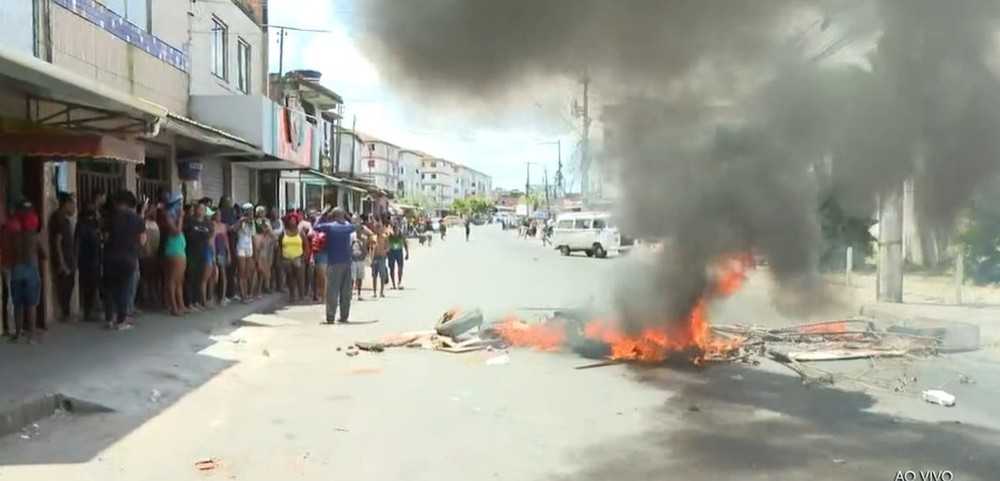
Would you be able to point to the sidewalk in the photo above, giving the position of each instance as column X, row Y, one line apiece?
column 929, row 299
column 124, row 371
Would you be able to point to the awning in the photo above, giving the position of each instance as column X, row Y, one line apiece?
column 206, row 134
column 71, row 147
column 317, row 177
column 44, row 79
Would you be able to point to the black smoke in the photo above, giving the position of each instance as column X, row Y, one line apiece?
column 734, row 121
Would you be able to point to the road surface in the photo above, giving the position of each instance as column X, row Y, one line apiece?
column 285, row 403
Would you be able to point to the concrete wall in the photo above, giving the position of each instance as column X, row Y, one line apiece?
column 17, row 27
column 241, row 26
column 248, row 116
column 85, row 48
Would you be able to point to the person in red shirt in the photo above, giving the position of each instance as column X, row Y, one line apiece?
column 318, row 249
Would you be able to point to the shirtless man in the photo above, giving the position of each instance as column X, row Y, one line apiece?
column 26, row 283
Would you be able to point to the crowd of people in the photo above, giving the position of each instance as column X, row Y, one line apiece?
column 188, row 257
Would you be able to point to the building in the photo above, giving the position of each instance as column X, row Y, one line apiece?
column 381, row 163
column 228, row 62
column 410, row 163
column 437, row 181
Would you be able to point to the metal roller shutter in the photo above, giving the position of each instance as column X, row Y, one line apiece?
column 241, row 184
column 212, row 179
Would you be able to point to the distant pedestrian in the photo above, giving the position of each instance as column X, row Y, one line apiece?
column 126, row 233
column 468, row 228
column 338, row 270
column 399, row 251
column 380, row 251
column 442, row 228
column 63, row 253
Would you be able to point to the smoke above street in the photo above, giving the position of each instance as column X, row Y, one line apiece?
column 734, row 121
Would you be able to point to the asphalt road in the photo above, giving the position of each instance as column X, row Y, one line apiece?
column 289, row 405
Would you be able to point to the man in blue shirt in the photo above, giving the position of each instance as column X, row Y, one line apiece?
column 338, row 270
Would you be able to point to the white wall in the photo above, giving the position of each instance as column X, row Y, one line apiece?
column 17, row 29
column 240, row 26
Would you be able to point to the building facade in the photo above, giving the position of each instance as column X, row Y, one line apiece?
column 381, row 164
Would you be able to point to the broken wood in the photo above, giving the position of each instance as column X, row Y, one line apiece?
column 609, row 362
column 841, row 354
column 370, row 346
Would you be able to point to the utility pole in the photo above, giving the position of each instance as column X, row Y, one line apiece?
column 559, row 176
column 281, row 51
column 585, row 142
column 548, row 206
column 890, row 247
column 527, row 181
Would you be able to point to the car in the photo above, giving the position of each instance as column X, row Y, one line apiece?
column 453, row 220
column 590, row 232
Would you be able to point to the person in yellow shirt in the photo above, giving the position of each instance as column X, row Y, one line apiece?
column 292, row 246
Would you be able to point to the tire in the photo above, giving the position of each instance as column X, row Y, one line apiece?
column 600, row 252
column 564, row 250
column 589, row 252
column 454, row 324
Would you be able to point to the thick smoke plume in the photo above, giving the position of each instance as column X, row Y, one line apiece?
column 736, row 119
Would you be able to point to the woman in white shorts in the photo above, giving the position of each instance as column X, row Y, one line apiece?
column 245, row 267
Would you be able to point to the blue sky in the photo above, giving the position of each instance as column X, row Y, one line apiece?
column 498, row 145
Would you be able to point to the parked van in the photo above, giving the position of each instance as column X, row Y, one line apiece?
column 590, row 232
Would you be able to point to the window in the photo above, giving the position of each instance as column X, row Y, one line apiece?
column 243, row 66
column 582, row 224
column 423, row 176
column 434, row 164
column 220, row 37
column 600, row 224
column 135, row 12
column 565, row 224
column 434, row 176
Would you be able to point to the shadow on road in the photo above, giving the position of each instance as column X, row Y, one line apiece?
column 734, row 422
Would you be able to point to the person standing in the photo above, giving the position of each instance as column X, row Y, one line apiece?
column 292, row 244
column 88, row 250
column 360, row 252
column 338, row 270
column 318, row 247
column 399, row 251
column 443, row 227
column 171, row 220
column 245, row 268
column 198, row 232
column 63, row 253
column 150, row 272
column 380, row 250
column 223, row 256
column 468, row 228
column 126, row 233
column 26, row 282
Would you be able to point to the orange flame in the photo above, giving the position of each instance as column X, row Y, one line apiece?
column 653, row 344
column 545, row 337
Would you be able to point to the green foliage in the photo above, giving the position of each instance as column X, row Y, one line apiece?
column 979, row 236
column 471, row 206
column 841, row 231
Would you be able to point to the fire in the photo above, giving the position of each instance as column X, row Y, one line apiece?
column 546, row 337
column 653, row 344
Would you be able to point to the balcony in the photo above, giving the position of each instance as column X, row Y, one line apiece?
column 287, row 137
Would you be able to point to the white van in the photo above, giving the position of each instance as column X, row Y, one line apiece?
column 590, row 232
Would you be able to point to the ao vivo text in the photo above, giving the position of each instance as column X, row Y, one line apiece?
column 940, row 475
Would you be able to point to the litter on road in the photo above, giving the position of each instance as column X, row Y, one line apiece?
column 939, row 397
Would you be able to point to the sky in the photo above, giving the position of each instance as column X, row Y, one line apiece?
column 497, row 143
